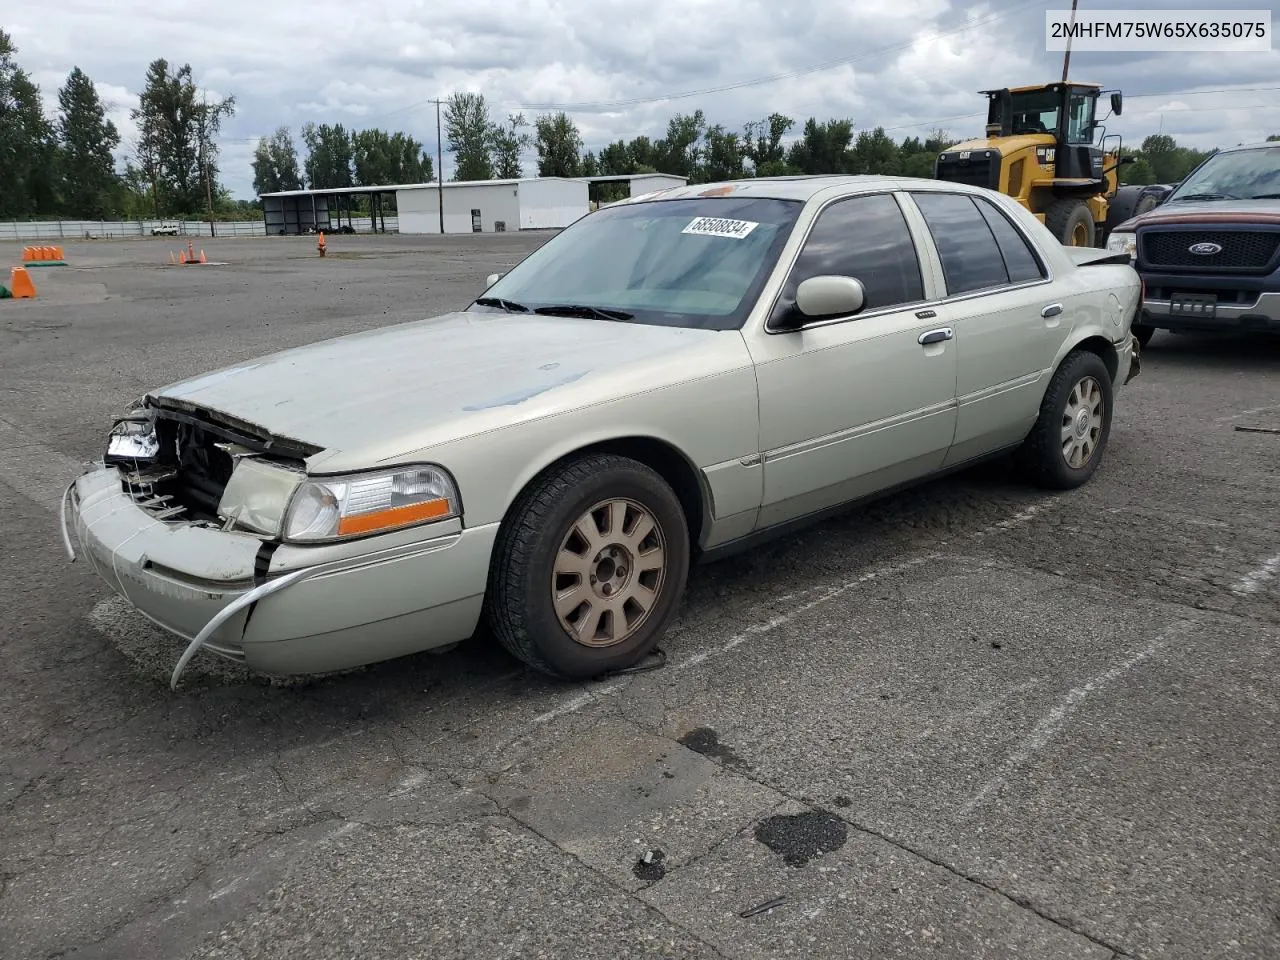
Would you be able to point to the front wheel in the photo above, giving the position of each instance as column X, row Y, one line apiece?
column 1071, row 222
column 589, row 568
column 1065, row 446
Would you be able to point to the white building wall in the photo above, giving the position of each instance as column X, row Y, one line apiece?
column 643, row 183
column 419, row 212
column 495, row 201
column 552, row 203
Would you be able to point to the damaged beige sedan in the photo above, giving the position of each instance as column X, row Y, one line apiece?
column 670, row 378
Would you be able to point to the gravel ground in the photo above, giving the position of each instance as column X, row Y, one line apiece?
column 972, row 720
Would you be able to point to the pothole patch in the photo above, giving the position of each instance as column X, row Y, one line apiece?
column 800, row 837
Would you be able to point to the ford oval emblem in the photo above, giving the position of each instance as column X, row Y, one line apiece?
column 1205, row 249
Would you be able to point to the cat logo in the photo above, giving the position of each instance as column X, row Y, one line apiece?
column 1044, row 155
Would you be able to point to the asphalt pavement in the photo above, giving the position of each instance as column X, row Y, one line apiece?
column 973, row 720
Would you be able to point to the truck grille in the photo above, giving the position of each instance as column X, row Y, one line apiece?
column 1243, row 251
column 976, row 171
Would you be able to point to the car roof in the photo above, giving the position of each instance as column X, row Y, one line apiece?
column 803, row 187
column 1273, row 144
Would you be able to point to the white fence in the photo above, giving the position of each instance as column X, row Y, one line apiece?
column 55, row 230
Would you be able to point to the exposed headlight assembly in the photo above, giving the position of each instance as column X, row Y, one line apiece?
column 1125, row 242
column 133, row 439
column 336, row 508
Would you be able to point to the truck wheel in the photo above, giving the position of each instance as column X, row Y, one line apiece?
column 1123, row 206
column 1066, row 445
column 1071, row 222
column 589, row 567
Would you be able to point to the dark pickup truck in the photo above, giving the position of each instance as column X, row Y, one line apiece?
column 1209, row 255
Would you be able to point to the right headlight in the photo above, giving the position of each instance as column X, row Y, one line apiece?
column 1123, row 242
column 336, row 508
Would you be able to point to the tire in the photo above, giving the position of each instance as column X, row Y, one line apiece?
column 1131, row 200
column 1123, row 205
column 1148, row 201
column 540, row 527
column 1066, row 218
column 1042, row 456
column 1144, row 333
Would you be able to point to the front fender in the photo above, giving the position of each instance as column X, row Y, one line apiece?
column 711, row 423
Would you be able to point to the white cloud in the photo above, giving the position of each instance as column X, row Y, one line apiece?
column 289, row 63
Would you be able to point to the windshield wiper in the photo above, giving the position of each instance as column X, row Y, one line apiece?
column 1206, row 196
column 1265, row 196
column 584, row 310
column 508, row 305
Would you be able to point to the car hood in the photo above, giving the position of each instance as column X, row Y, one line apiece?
column 397, row 389
column 1208, row 211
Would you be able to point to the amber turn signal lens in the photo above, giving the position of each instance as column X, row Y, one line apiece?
column 393, row 517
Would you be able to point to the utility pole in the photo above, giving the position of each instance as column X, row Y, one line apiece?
column 439, row 167
column 1066, row 55
column 204, row 161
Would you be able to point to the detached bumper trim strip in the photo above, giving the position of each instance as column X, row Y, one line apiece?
column 66, row 534
column 230, row 610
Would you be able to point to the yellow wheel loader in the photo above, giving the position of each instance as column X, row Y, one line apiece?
column 1045, row 147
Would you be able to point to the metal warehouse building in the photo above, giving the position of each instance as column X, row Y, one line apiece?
column 470, row 206
column 492, row 206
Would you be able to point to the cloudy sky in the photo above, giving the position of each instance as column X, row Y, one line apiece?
column 623, row 68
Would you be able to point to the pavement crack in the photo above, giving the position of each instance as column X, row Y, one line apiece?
column 504, row 811
column 1016, row 899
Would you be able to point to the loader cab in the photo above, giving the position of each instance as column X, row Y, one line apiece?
column 1066, row 114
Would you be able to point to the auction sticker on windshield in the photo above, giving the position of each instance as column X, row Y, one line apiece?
column 720, row 227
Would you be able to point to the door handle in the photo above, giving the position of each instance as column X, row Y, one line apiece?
column 936, row 336
column 1052, row 310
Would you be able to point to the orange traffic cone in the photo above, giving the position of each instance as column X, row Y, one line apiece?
column 20, row 285
column 202, row 258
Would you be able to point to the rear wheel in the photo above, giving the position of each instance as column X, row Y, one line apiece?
column 1065, row 446
column 589, row 567
column 1071, row 222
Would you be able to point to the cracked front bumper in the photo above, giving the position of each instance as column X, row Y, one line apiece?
column 309, row 611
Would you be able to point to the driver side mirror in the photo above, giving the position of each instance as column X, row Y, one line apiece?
column 492, row 279
column 1117, row 102
column 830, row 296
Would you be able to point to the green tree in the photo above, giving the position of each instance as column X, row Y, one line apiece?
column 178, row 129
column 1138, row 172
column 275, row 163
column 616, row 160
column 559, row 145
column 875, row 152
column 90, row 187
column 723, row 158
column 27, row 142
column 681, row 151
column 469, row 133
column 762, row 145
column 330, row 157
column 507, row 141
column 381, row 158
column 823, row 148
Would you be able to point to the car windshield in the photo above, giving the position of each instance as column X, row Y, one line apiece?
column 1237, row 175
column 698, row 262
